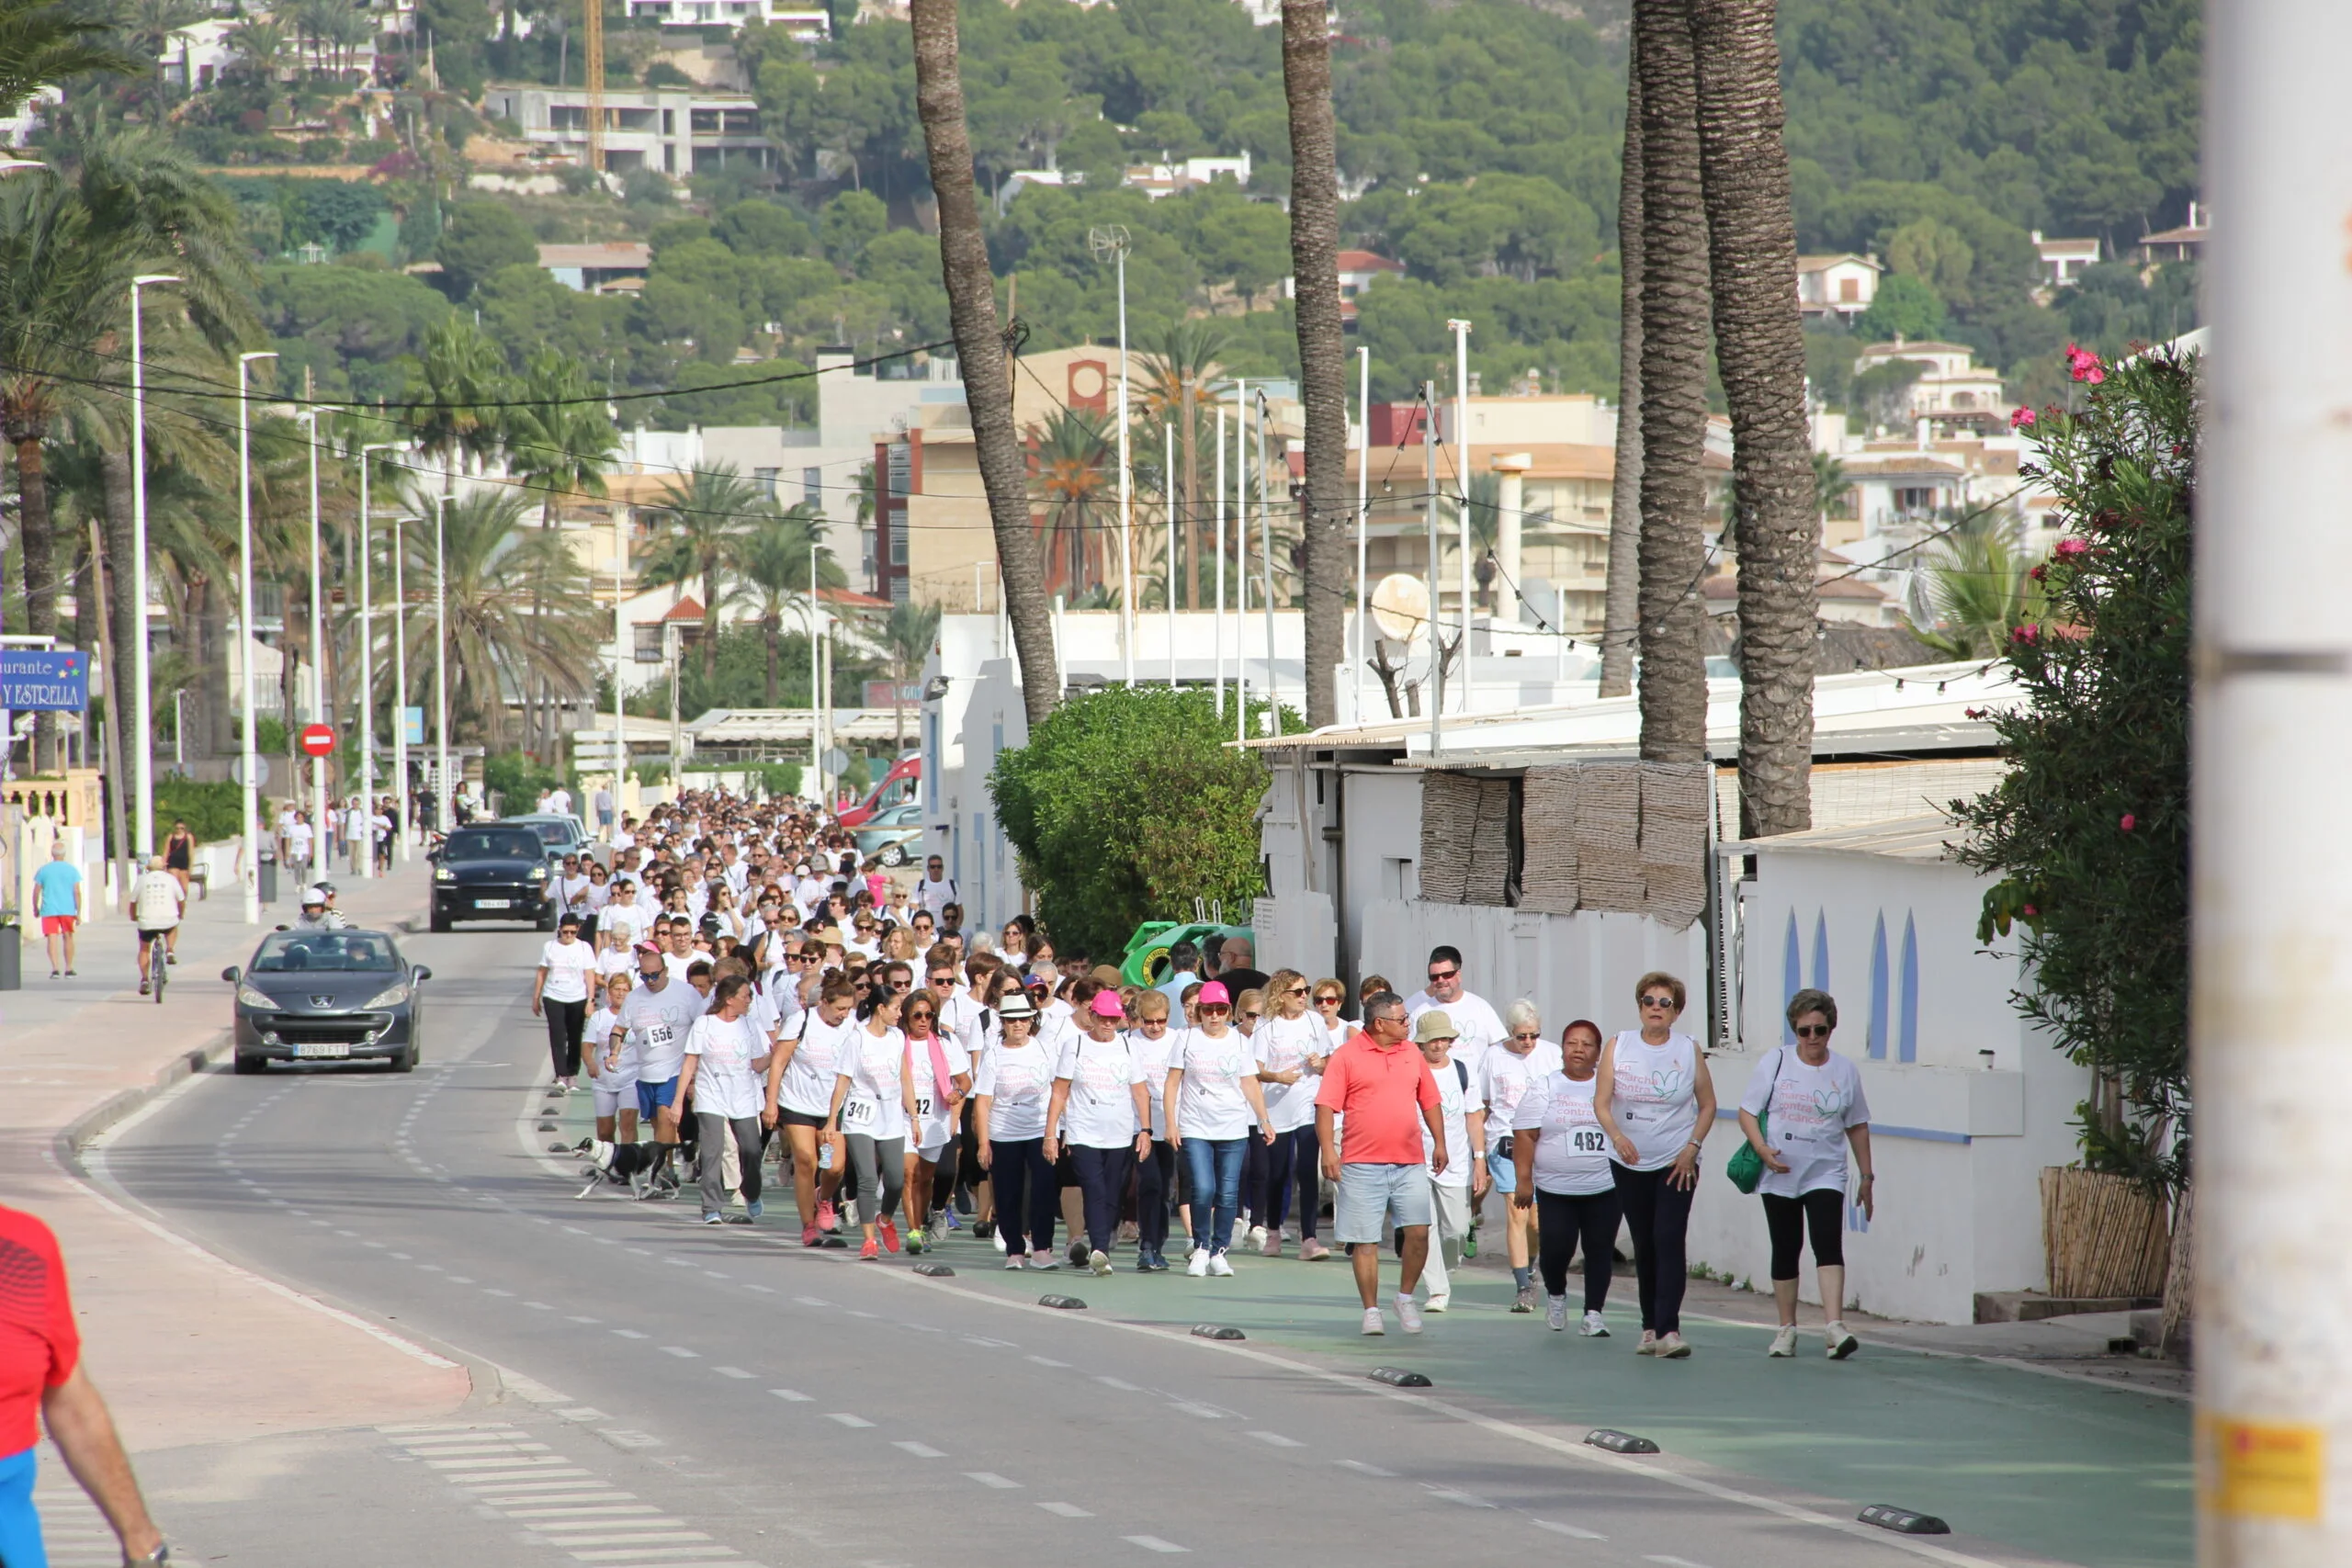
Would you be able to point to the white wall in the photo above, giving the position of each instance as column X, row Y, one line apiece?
column 1959, row 1149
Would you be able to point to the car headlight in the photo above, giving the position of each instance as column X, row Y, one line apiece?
column 253, row 999
column 390, row 998
column 443, row 874
column 536, row 872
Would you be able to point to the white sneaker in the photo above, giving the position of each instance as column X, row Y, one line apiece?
column 1438, row 1303
column 1594, row 1326
column 1098, row 1261
column 1408, row 1314
column 997, row 1238
column 1841, row 1344
column 1672, row 1348
column 1219, row 1266
column 1042, row 1264
column 1198, row 1267
column 1555, row 1312
column 1649, row 1346
column 1012, row 1261
column 1372, row 1323
column 1784, row 1343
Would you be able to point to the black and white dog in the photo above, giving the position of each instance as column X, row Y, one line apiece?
column 632, row 1166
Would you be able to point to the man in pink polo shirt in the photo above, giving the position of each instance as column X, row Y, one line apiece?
column 1382, row 1089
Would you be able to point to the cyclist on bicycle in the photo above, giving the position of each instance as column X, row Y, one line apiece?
column 157, row 900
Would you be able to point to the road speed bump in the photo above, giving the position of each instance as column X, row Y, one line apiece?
column 935, row 1271
column 1902, row 1521
column 1619, row 1442
column 1397, row 1377
column 1065, row 1303
column 1216, row 1331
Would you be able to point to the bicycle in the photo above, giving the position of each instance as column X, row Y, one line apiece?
column 155, row 945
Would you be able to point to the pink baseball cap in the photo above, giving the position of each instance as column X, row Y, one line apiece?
column 1214, row 994
column 1106, row 1004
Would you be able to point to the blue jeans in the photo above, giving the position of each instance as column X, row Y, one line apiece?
column 1215, row 1165
column 20, row 1545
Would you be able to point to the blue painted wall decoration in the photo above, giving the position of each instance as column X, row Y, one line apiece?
column 1907, row 1040
column 1880, row 988
column 1791, row 979
column 1821, row 951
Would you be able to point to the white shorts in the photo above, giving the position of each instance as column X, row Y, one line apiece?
column 929, row 1153
column 609, row 1102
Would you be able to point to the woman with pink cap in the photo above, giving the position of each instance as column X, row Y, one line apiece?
column 1213, row 1100
column 1102, row 1112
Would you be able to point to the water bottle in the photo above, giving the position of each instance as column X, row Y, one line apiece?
column 825, row 1155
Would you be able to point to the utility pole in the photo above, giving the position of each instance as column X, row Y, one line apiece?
column 1113, row 242
column 1429, row 508
column 141, row 686
column 249, row 757
column 1241, row 562
column 1168, row 493
column 1220, row 561
column 400, row 678
column 1363, row 513
column 441, row 790
column 2272, row 895
column 367, row 669
column 593, row 59
column 1461, row 331
column 1266, row 554
column 123, row 860
column 322, row 711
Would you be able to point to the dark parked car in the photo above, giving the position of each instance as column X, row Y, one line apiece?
column 493, row 871
column 329, row 995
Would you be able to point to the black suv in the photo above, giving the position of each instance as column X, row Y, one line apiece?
column 492, row 872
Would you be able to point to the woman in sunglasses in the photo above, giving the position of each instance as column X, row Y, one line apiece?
column 1655, row 1102
column 1503, row 1079
column 1802, row 1111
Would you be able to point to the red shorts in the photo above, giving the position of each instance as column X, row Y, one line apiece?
column 58, row 925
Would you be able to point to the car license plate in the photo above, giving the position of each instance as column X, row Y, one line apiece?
column 493, row 903
column 335, row 1048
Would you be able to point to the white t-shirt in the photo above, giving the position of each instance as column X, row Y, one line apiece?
column 936, row 895
column 875, row 1067
column 1480, row 1028
column 807, row 1083
column 678, row 963
column 658, row 1022
column 724, row 1083
column 633, row 916
column 1571, row 1152
column 1210, row 1103
column 1017, row 1081
column 1455, row 1102
column 959, row 1019
column 1504, row 1079
column 156, row 900
column 569, row 964
column 574, row 892
column 1153, row 1055
column 1101, row 1111
column 1282, row 1044
column 297, row 842
column 613, row 961
column 1654, row 1096
column 933, row 1093
column 596, row 1041
column 1811, row 1108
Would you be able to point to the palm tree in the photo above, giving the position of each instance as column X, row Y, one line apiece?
column 558, row 444
column 1759, row 347
column 1180, row 380
column 712, row 512
column 1322, row 350
column 42, row 42
column 153, row 23
column 908, row 636
column 776, row 565
column 1620, row 602
column 261, row 45
column 70, row 243
column 1075, row 470
column 1982, row 590
column 1673, row 689
column 983, row 354
column 464, row 370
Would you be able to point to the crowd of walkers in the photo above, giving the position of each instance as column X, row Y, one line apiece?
column 736, row 988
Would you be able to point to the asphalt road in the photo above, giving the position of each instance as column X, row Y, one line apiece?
column 670, row 1396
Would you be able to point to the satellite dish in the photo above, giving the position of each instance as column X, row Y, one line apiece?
column 1400, row 607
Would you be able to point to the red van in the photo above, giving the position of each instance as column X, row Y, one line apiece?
column 901, row 783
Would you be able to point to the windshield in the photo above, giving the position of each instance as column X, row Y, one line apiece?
column 507, row 843
column 552, row 832
column 341, row 952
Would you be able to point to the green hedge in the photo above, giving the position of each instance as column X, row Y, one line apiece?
column 212, row 812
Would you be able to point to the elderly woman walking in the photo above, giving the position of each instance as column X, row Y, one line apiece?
column 1804, row 1109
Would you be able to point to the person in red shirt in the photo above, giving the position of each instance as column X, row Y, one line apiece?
column 1383, row 1092
column 42, row 1383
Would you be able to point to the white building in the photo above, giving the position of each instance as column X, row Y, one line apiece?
column 802, row 23
column 1837, row 286
column 2062, row 261
column 1156, row 180
column 672, row 130
column 1952, row 388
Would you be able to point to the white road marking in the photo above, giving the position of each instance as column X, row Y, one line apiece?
column 1363, row 1468
column 662, row 1554
column 1202, row 1411
column 1120, row 1383
column 790, row 1395
column 681, row 1352
column 1278, row 1440
column 1674, row 1561
column 1465, row 1498
column 613, row 1531
column 991, row 1478
column 1048, row 1361
column 628, row 1334
column 1067, row 1510
column 1579, row 1532
column 731, row 1371
column 921, row 1450
column 812, row 1301
column 585, row 1511
column 846, row 1419
column 1153, row 1544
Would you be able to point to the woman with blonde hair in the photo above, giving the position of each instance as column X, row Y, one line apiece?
column 1656, row 1104
column 1292, row 1045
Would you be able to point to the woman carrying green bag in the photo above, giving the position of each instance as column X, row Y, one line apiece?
column 1801, row 1112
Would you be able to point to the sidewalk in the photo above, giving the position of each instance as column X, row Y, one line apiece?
column 187, row 1349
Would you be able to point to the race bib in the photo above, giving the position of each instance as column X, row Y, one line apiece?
column 859, row 1112
column 1588, row 1141
column 922, row 1105
column 658, row 1033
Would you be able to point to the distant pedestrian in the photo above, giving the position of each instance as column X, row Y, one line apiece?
column 1503, row 1081
column 57, row 894
column 1455, row 1191
column 1101, row 1111
column 1803, row 1110
column 1656, row 1102
column 1213, row 1100
column 1384, row 1095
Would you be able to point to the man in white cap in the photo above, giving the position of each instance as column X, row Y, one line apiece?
column 316, row 916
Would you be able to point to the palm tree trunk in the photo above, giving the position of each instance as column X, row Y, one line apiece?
column 1674, row 389
column 127, row 613
column 1322, row 351
column 37, row 532
column 1191, row 532
column 1621, row 603
column 709, row 623
column 209, row 723
column 768, row 628
column 1759, row 344
column 984, row 356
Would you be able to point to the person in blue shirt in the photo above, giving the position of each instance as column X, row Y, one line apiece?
column 1183, row 970
column 57, row 889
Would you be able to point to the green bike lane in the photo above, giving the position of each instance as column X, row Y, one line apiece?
column 2051, row 1466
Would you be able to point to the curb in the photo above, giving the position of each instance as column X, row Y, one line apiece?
column 69, row 1141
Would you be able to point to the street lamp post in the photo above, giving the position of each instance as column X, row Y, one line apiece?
column 143, row 695
column 367, row 668
column 1364, row 512
column 251, row 757
column 1461, row 331
column 620, row 633
column 320, row 713
column 1113, row 242
column 440, row 665
column 399, row 678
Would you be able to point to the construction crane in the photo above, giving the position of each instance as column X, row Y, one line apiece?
column 592, row 12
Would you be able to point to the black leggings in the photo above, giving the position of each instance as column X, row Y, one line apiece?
column 565, row 1023
column 1155, row 1177
column 1824, row 1208
column 1028, row 1201
column 1658, row 1215
column 1294, row 1157
column 1566, row 1221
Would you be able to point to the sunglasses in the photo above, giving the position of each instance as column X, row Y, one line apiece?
column 1211, row 1010
column 1253, row 1012
column 920, row 1017
column 1329, row 1001
column 1440, row 977
column 1658, row 1001
column 1813, row 1031
column 1525, row 1034
column 1296, row 991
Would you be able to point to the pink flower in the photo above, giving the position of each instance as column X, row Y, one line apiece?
column 2069, row 549
column 2128, row 822
column 2021, row 418
column 2026, row 632
column 2028, row 911
column 2084, row 365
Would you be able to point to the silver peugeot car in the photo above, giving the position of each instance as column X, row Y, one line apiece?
column 327, row 996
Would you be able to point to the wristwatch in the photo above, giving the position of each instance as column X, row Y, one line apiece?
column 163, row 1553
